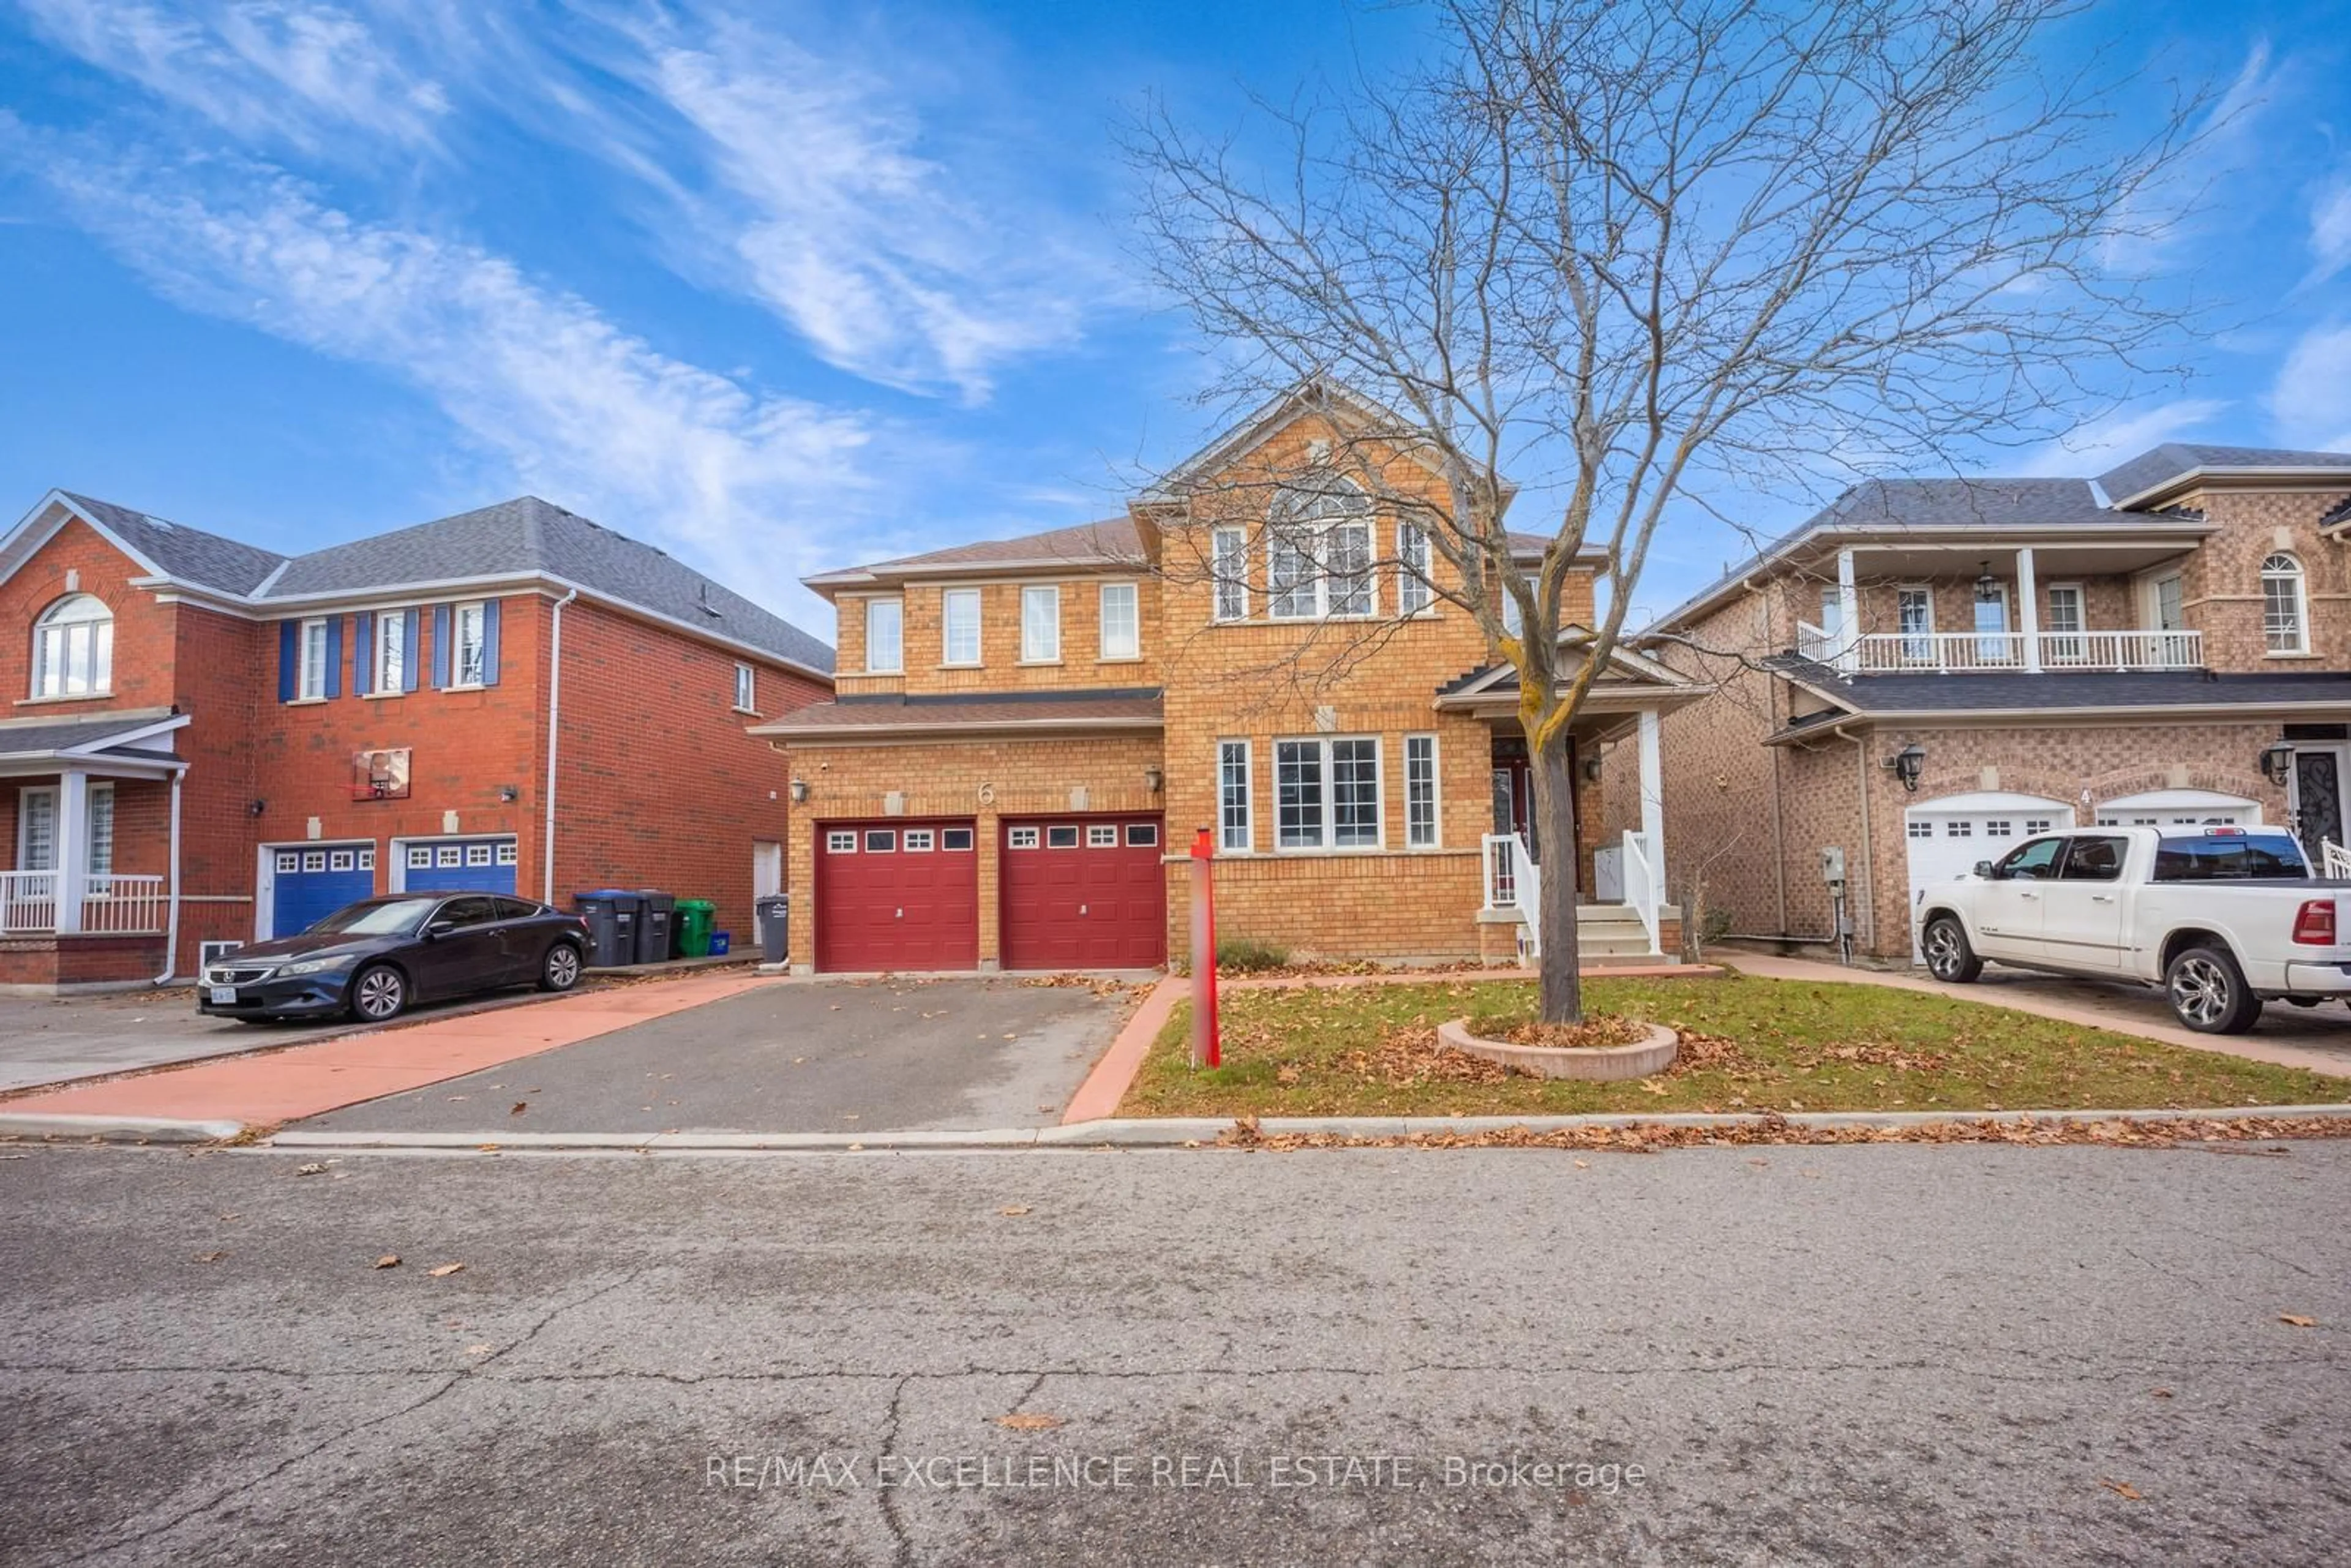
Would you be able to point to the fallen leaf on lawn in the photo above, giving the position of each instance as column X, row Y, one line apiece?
column 446, row 1269
column 519, row 1107
column 210, row 1257
column 313, row 1168
column 2121, row 1489
column 388, row 1260
column 1013, row 1210
column 2296, row 1320
column 1029, row 1422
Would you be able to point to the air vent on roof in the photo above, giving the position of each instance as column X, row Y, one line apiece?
column 153, row 521
column 709, row 608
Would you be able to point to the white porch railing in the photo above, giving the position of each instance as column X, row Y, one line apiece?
column 1514, row 882
column 2334, row 861
column 1880, row 652
column 1641, row 889
column 111, row 906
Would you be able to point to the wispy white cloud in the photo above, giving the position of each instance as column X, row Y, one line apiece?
column 2312, row 400
column 2330, row 229
column 2124, row 433
column 760, row 487
column 295, row 71
column 2176, row 205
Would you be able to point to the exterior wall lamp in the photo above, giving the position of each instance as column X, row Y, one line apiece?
column 2277, row 762
column 508, row 794
column 799, row 791
column 1907, row 764
column 1153, row 779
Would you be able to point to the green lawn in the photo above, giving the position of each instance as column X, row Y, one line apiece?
column 1749, row 1044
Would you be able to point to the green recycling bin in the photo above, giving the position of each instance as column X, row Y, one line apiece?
column 693, row 927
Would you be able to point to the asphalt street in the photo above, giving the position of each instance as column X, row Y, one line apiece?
column 1877, row 1354
column 865, row 1056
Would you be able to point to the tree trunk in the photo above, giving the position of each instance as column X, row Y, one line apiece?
column 1554, row 818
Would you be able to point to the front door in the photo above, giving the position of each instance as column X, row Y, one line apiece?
column 2317, row 798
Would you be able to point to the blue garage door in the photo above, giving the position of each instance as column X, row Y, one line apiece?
column 313, row 881
column 467, row 865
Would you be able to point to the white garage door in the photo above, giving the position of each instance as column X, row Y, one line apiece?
column 1949, row 836
column 2180, row 807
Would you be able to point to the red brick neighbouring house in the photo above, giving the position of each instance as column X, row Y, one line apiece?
column 207, row 741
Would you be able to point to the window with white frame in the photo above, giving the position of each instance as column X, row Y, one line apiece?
column 420, row 857
column 1121, row 628
column 312, row 680
column 1228, row 564
column 1414, row 592
column 1922, row 829
column 1420, row 817
column 1041, row 625
column 1102, row 836
column 747, row 689
column 1914, row 616
column 1236, row 831
column 881, row 841
column 470, row 633
column 391, row 651
column 841, row 842
column 477, row 855
column 73, row 649
column 959, row 626
column 1021, row 837
column 1326, row 794
column 508, row 853
column 2062, row 642
column 953, row 839
column 919, row 841
column 1062, row 837
column 101, row 829
column 2285, row 621
column 446, row 856
column 36, row 829
column 1142, row 835
column 885, row 634
column 1959, row 830
column 1318, row 554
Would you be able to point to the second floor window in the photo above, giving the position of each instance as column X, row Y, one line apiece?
column 73, row 649
column 391, row 651
column 1318, row 554
column 747, row 689
column 885, row 625
column 2064, row 643
column 311, row 682
column 1122, row 632
column 1414, row 594
column 959, row 632
column 2285, row 621
column 471, row 644
column 1041, row 625
column 1228, row 563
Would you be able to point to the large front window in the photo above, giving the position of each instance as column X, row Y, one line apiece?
column 2285, row 625
column 73, row 649
column 1327, row 794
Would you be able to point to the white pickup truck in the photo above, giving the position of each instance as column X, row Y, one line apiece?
column 2221, row 918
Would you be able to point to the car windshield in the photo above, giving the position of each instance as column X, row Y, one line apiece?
column 2232, row 857
column 397, row 918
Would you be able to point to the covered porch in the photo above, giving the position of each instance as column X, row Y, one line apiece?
column 1622, row 908
column 91, row 808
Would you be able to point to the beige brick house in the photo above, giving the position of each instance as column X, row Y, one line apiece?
column 1028, row 733
column 1929, row 670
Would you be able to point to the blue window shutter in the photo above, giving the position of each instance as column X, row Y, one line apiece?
column 408, row 670
column 334, row 656
column 362, row 653
column 490, row 643
column 440, row 646
column 290, row 654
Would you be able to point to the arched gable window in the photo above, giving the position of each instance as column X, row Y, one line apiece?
column 1319, row 552
column 73, row 648
column 2285, row 617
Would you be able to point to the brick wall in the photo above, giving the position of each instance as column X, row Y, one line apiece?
column 79, row 555
column 923, row 634
column 2222, row 582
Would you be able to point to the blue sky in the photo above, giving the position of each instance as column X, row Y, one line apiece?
column 782, row 287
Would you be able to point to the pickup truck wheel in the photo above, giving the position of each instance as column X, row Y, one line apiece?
column 1950, row 957
column 2209, row 993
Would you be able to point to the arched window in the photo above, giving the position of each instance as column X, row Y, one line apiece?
column 1319, row 552
column 73, row 648
column 2285, row 621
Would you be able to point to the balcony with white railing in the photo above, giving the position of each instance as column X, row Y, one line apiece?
column 1971, row 653
column 111, row 905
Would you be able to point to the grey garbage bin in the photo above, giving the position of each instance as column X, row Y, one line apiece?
column 775, row 913
column 656, row 921
column 611, row 916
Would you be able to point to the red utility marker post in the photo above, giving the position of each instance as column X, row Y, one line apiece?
column 1205, row 1045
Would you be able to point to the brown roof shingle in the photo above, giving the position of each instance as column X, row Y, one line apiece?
column 849, row 718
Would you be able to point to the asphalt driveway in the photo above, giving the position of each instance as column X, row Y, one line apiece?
column 867, row 1056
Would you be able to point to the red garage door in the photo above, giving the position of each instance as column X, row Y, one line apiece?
column 1084, row 893
column 897, row 895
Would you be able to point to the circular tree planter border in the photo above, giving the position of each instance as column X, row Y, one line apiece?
column 1599, row 1063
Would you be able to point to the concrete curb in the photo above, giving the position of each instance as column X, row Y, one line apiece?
column 119, row 1129
column 1170, row 1133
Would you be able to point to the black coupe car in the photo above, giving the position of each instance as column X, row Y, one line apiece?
column 374, row 957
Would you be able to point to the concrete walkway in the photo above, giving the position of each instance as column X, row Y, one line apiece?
column 2318, row 1038
column 309, row 1080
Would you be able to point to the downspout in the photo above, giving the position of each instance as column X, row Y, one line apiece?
column 1868, row 864
column 554, row 729
column 171, row 920
column 1771, row 723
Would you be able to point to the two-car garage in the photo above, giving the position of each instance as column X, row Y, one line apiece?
column 1075, row 893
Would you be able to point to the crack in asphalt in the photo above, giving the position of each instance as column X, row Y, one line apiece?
column 886, row 1498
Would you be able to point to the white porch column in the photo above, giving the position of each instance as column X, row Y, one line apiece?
column 1848, row 612
column 73, row 850
column 1653, row 800
column 2027, row 609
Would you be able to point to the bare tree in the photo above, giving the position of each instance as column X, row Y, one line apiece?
column 1618, row 245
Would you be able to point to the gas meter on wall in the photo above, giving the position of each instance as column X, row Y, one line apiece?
column 1833, row 863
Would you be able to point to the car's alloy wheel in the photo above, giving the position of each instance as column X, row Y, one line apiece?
column 1943, row 950
column 562, row 971
column 2201, row 992
column 379, row 993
